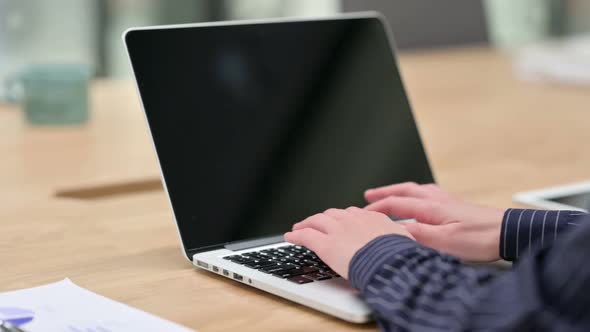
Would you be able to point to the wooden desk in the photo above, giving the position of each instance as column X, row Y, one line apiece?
column 488, row 135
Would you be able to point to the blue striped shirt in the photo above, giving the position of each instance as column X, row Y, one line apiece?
column 522, row 229
column 414, row 288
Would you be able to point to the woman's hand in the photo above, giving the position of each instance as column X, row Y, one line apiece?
column 468, row 231
column 336, row 235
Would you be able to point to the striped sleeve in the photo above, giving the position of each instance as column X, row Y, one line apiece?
column 522, row 229
column 413, row 288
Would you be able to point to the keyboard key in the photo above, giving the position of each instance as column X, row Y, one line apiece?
column 282, row 274
column 239, row 259
column 332, row 273
column 256, row 264
column 317, row 276
column 309, row 269
column 272, row 268
column 254, row 255
column 289, row 273
column 300, row 280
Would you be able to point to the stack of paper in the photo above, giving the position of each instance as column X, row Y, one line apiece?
column 65, row 307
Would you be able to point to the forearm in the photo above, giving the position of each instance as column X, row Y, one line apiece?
column 413, row 288
column 524, row 229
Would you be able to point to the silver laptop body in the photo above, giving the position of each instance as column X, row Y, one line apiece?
column 258, row 124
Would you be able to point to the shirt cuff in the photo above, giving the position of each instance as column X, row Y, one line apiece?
column 523, row 229
column 372, row 256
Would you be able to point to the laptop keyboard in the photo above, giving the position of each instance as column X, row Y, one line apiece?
column 294, row 263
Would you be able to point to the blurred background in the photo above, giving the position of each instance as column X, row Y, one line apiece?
column 88, row 31
column 499, row 88
column 63, row 64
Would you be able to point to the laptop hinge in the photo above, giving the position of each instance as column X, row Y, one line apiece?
column 235, row 246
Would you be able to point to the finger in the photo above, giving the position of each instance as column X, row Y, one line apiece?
column 358, row 213
column 309, row 238
column 320, row 222
column 353, row 210
column 433, row 187
column 335, row 213
column 422, row 210
column 406, row 189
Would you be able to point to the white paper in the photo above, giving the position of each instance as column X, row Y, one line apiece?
column 66, row 307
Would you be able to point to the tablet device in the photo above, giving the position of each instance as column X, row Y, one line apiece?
column 575, row 196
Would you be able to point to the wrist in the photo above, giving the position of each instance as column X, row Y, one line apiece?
column 373, row 255
column 494, row 235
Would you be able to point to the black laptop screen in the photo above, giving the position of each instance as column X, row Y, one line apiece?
column 258, row 126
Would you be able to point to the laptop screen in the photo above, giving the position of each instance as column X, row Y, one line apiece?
column 258, row 126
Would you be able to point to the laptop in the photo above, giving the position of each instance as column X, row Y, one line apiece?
column 260, row 124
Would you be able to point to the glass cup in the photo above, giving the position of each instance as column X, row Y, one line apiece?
column 514, row 23
column 54, row 94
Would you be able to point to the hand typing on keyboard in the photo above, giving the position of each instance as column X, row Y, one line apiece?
column 336, row 235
